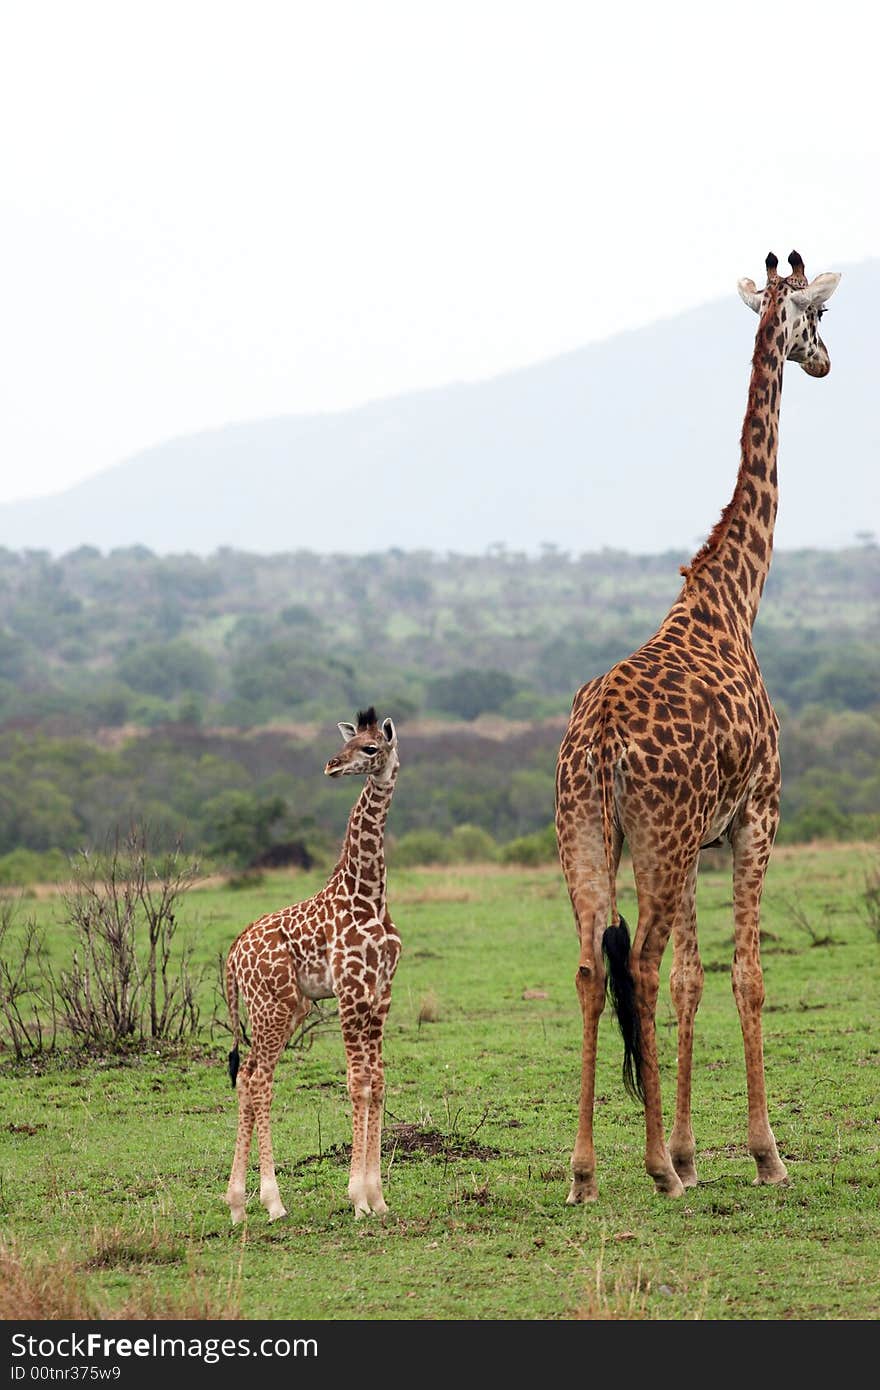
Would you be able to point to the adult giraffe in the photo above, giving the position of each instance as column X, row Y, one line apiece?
column 672, row 749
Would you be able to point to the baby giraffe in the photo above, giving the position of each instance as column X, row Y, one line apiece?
column 341, row 942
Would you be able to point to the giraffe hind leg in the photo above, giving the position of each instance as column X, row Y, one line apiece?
column 281, row 1028
column 274, row 1017
column 660, row 898
column 235, row 1191
column 582, row 856
column 751, row 851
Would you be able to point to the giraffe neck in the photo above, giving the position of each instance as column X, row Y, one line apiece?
column 732, row 567
column 361, row 865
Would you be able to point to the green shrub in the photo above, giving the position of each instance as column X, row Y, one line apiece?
column 529, row 850
column 471, row 844
column 22, row 866
column 420, row 847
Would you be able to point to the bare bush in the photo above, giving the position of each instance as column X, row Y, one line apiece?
column 127, row 978
column 801, row 918
column 126, row 981
column 27, row 1004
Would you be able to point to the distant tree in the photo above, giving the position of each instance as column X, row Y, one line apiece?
column 282, row 674
column 82, row 555
column 37, row 815
column 471, row 692
column 298, row 615
column 850, row 680
column 168, row 669
column 240, row 827
column 16, row 658
column 411, row 589
column 111, row 703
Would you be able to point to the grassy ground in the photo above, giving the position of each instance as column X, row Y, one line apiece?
column 112, row 1172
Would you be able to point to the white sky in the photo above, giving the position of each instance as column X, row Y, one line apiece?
column 221, row 211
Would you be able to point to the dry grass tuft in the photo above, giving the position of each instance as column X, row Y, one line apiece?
column 118, row 1247
column 54, row 1290
column 194, row 1304
column 41, row 1291
column 625, row 1301
column 429, row 1008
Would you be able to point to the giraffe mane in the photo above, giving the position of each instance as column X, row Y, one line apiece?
column 719, row 530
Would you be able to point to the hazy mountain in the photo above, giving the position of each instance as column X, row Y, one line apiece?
column 631, row 443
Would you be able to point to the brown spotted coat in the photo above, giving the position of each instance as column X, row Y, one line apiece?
column 675, row 747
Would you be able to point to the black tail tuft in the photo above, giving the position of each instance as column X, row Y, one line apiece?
column 621, row 989
column 233, row 1065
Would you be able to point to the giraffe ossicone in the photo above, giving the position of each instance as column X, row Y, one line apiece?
column 341, row 942
column 672, row 749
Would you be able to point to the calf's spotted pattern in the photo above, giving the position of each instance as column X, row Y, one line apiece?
column 340, row 942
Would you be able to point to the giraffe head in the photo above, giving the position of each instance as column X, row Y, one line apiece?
column 370, row 749
column 800, row 305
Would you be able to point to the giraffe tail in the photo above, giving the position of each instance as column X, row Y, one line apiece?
column 232, row 1002
column 621, row 989
column 615, row 939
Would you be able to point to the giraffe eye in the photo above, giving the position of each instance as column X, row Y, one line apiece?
column 370, row 748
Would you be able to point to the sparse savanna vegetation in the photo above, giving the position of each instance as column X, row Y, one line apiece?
column 164, row 723
column 197, row 695
column 115, row 1156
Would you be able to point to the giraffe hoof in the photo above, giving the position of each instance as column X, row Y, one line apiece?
column 582, row 1190
column 687, row 1174
column 276, row 1211
column 669, row 1186
column 771, row 1179
column 237, row 1214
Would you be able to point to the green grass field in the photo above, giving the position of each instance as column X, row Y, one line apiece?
column 112, row 1172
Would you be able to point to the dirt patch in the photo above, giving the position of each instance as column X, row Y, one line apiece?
column 407, row 1141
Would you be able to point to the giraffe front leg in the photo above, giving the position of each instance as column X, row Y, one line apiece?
column 373, row 1165
column 355, row 1035
column 686, row 987
column 270, row 1197
column 359, row 1091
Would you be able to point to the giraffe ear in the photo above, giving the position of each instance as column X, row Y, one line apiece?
column 348, row 731
column 389, row 731
column 748, row 293
column 818, row 291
